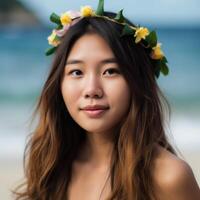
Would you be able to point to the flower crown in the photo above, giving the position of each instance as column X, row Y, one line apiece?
column 148, row 39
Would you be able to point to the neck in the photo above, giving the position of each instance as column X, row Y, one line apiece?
column 97, row 149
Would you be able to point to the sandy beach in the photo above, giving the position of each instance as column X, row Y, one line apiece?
column 11, row 172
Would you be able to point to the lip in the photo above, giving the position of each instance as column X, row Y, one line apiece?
column 95, row 107
column 95, row 111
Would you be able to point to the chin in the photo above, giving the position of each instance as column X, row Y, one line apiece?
column 94, row 130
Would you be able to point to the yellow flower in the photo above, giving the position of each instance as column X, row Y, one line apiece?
column 65, row 18
column 140, row 34
column 86, row 11
column 157, row 53
column 53, row 39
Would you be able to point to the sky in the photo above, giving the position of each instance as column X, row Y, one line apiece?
column 162, row 12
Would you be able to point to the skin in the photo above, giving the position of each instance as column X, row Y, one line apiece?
column 92, row 76
column 174, row 178
column 87, row 80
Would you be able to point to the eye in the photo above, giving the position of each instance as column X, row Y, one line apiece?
column 75, row 72
column 112, row 71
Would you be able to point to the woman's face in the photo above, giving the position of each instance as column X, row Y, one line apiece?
column 94, row 91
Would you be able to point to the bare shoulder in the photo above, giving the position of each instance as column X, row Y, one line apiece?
column 173, row 177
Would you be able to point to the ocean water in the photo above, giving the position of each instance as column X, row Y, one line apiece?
column 24, row 67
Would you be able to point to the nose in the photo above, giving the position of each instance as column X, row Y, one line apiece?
column 93, row 87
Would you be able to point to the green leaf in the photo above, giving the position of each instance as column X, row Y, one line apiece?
column 59, row 27
column 127, row 30
column 50, row 51
column 164, row 69
column 164, row 60
column 100, row 9
column 152, row 39
column 157, row 73
column 157, row 68
column 55, row 18
column 119, row 17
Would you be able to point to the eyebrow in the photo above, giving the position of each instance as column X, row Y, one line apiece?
column 105, row 61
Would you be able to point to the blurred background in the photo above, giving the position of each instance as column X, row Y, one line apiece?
column 24, row 27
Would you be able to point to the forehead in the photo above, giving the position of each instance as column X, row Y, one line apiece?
column 90, row 47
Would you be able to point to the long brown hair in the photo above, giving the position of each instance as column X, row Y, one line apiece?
column 55, row 143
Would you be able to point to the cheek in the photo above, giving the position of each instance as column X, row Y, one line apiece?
column 119, row 97
column 119, row 92
column 124, row 98
column 70, row 94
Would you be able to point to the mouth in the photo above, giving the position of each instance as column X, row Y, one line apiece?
column 95, row 112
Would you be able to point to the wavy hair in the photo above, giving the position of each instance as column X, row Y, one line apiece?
column 55, row 142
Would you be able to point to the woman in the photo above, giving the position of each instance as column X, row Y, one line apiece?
column 100, row 132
